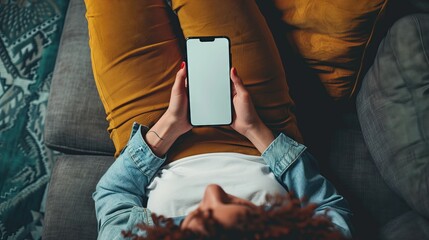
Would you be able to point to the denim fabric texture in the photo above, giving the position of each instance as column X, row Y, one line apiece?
column 119, row 194
column 393, row 109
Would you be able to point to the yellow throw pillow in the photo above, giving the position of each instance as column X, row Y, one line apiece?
column 333, row 36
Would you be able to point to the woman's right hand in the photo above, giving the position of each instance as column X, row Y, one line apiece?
column 245, row 116
column 246, row 120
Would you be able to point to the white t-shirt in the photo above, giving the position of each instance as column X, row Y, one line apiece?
column 179, row 186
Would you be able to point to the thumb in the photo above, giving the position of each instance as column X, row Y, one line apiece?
column 180, row 81
column 238, row 83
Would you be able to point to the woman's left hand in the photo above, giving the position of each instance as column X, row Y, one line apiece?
column 177, row 110
column 174, row 122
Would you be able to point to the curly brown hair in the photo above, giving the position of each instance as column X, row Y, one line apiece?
column 283, row 217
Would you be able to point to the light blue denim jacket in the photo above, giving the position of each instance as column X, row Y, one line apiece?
column 120, row 194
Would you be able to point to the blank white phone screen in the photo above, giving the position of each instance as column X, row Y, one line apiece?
column 209, row 81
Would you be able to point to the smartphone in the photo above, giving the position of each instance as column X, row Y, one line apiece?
column 209, row 85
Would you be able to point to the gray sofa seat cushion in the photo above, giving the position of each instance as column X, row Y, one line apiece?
column 393, row 109
column 421, row 5
column 355, row 175
column 70, row 210
column 75, row 121
column 409, row 225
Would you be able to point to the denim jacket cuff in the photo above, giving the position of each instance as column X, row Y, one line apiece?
column 282, row 153
column 146, row 161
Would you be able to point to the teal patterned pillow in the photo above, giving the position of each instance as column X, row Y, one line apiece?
column 29, row 37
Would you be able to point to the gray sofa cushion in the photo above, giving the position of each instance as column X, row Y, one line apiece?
column 355, row 175
column 70, row 210
column 75, row 121
column 409, row 225
column 393, row 108
column 421, row 5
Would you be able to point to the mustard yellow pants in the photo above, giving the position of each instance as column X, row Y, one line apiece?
column 135, row 56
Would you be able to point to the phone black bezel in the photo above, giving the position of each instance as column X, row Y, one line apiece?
column 207, row 39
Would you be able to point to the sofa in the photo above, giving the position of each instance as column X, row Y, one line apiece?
column 338, row 132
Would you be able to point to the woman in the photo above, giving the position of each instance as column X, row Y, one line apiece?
column 168, row 166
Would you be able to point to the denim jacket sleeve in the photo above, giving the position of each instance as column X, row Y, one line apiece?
column 119, row 193
column 297, row 170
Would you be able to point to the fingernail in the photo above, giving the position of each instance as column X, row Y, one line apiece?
column 234, row 71
column 183, row 65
